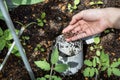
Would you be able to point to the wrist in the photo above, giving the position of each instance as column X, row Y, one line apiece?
column 112, row 16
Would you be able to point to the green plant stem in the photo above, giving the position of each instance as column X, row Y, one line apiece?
column 8, row 53
column 51, row 72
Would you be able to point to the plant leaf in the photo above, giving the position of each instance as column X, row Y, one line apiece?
column 26, row 2
column 92, row 72
column 96, row 71
column 1, row 32
column 76, row 2
column 116, row 71
column 91, row 48
column 43, row 15
column 94, row 62
column 104, row 58
column 109, row 72
column 69, row 6
column 99, row 2
column 56, row 78
column 61, row 67
column 41, row 24
column 115, row 64
column 7, row 34
column 97, row 60
column 96, row 40
column 98, row 53
column 47, row 76
column 54, row 56
column 2, row 43
column 86, row 72
column 103, row 68
column 43, row 65
column 92, row 3
column 88, row 62
column 42, row 78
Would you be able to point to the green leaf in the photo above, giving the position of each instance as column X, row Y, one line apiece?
column 88, row 62
column 116, row 71
column 106, row 31
column 97, row 40
column 103, row 68
column 115, row 64
column 61, row 67
column 41, row 24
column 98, row 52
column 42, row 78
column 96, row 71
column 56, row 78
column 74, row 7
column 92, row 3
column 97, row 60
column 76, row 2
column 91, row 48
column 26, row 2
column 44, row 21
column 94, row 62
column 69, row 6
column 54, row 56
column 42, row 49
column 99, row 2
column 43, row 15
column 92, row 72
column 86, row 72
column 47, row 76
column 14, row 50
column 7, row 35
column 104, row 58
column 1, row 32
column 43, row 65
column 109, row 72
column 2, row 43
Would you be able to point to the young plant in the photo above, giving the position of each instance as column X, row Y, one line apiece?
column 24, row 38
column 100, row 62
column 40, row 48
column 42, row 19
column 99, row 2
column 52, row 66
column 96, row 45
column 74, row 6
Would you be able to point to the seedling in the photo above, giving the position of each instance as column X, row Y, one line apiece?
column 100, row 62
column 39, row 48
column 99, row 2
column 24, row 38
column 74, row 6
column 52, row 66
column 42, row 19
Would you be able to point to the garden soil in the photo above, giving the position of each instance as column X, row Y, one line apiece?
column 57, row 18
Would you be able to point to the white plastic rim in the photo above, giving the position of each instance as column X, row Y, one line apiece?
column 70, row 53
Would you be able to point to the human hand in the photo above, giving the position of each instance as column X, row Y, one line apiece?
column 86, row 23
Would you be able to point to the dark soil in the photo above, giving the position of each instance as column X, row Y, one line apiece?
column 57, row 17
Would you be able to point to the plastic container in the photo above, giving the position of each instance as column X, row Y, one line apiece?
column 70, row 53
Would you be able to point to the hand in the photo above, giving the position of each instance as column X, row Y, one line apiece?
column 87, row 23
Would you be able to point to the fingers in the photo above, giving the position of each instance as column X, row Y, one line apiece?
column 77, row 17
column 79, row 36
column 82, row 26
column 70, row 27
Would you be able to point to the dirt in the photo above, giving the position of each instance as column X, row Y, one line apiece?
column 58, row 17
